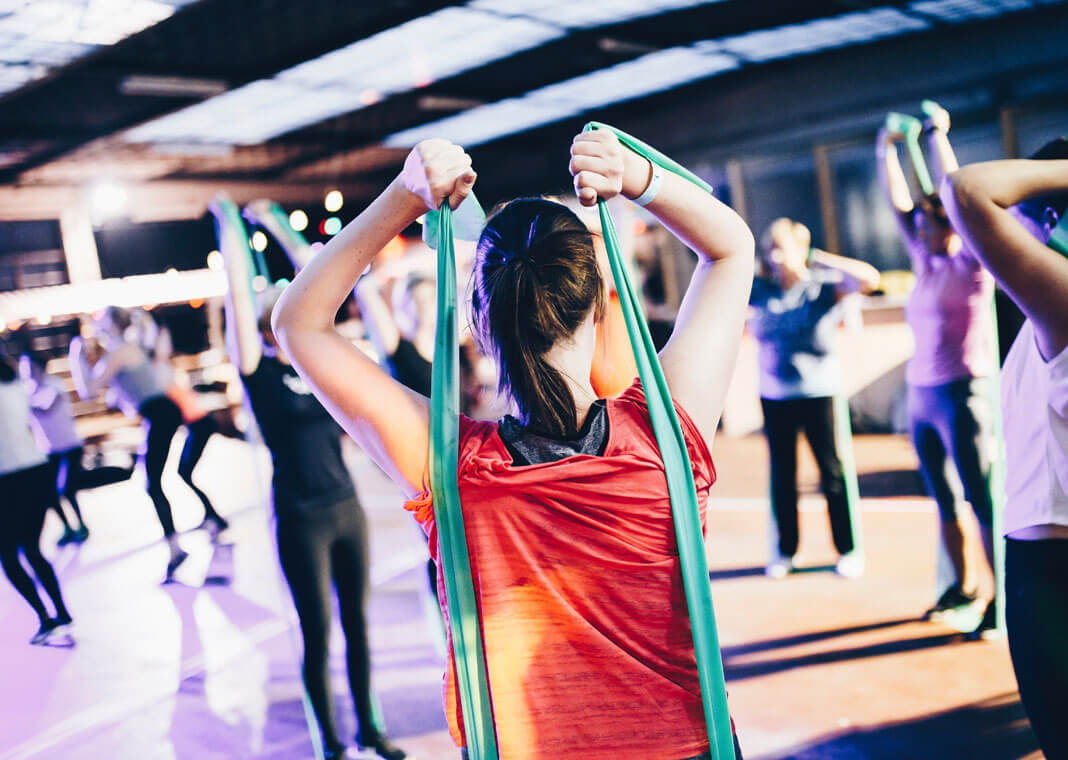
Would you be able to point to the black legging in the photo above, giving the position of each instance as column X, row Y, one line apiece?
column 319, row 548
column 782, row 422
column 67, row 473
column 27, row 495
column 1036, row 613
column 163, row 418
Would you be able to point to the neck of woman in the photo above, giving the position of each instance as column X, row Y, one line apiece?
column 573, row 359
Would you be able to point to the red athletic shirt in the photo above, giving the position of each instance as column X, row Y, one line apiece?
column 576, row 569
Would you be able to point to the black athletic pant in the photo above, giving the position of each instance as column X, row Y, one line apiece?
column 27, row 495
column 68, row 475
column 783, row 420
column 322, row 550
column 1036, row 612
column 163, row 418
column 953, row 419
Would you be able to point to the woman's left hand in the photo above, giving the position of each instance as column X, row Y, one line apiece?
column 603, row 168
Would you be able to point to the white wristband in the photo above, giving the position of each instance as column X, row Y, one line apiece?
column 653, row 189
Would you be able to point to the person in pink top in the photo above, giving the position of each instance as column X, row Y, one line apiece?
column 948, row 397
column 1007, row 212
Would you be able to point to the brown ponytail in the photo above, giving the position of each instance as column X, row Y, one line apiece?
column 536, row 279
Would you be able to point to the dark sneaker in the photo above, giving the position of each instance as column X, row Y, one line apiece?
column 952, row 598
column 46, row 629
column 81, row 535
column 380, row 745
column 69, row 537
column 988, row 626
column 175, row 563
column 214, row 524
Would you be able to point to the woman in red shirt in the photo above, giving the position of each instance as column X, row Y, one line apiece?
column 574, row 558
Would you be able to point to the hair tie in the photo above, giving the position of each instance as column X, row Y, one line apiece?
column 526, row 258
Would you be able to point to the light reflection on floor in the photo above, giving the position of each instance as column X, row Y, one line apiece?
column 201, row 671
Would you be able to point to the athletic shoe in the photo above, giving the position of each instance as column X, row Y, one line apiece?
column 214, row 524
column 988, row 626
column 176, row 560
column 69, row 537
column 381, row 746
column 850, row 565
column 953, row 597
column 779, row 567
column 46, row 629
column 81, row 535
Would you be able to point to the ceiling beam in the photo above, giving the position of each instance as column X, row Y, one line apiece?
column 166, row 200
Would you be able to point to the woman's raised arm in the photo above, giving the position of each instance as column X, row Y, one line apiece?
column 242, row 333
column 699, row 358
column 977, row 199
column 390, row 422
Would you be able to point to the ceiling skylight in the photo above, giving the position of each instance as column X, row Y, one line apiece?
column 821, row 34
column 634, row 79
column 411, row 55
column 402, row 58
column 585, row 14
column 39, row 35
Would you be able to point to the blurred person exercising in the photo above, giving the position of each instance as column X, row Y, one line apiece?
column 321, row 527
column 53, row 426
column 29, row 489
column 949, row 312
column 130, row 372
column 796, row 313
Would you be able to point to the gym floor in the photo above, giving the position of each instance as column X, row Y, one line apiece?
column 818, row 667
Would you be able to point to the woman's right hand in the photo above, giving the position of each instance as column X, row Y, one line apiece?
column 437, row 169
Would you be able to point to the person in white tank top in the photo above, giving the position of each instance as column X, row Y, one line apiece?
column 1008, row 212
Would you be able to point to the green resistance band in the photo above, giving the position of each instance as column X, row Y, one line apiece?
column 677, row 467
column 1058, row 241
column 276, row 222
column 911, row 128
column 467, row 645
column 843, row 428
column 231, row 223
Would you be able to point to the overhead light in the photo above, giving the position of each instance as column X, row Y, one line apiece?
column 446, row 103
column 107, row 199
column 298, row 220
column 171, row 86
column 333, row 201
column 215, row 261
column 330, row 226
column 259, row 241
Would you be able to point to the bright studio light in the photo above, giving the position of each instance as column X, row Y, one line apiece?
column 331, row 225
column 107, row 198
column 298, row 220
column 334, row 201
column 259, row 241
column 215, row 261
column 259, row 283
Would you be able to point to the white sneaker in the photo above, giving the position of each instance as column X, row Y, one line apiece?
column 779, row 567
column 850, row 565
